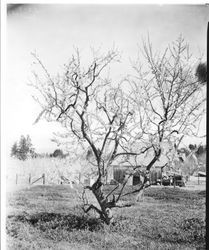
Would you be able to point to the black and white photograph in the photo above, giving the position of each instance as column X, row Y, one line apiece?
column 103, row 126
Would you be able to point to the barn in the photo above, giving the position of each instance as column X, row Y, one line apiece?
column 119, row 170
column 118, row 173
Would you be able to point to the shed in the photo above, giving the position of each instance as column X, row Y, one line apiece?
column 201, row 174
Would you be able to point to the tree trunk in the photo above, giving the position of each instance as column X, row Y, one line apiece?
column 105, row 205
column 140, row 195
column 174, row 181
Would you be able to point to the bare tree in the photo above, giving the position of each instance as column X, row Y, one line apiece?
column 168, row 99
column 129, row 123
column 94, row 113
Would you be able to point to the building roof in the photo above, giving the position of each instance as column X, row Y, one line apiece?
column 141, row 160
column 202, row 173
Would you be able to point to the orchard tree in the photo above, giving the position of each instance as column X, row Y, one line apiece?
column 123, row 122
column 168, row 98
column 24, row 149
column 95, row 113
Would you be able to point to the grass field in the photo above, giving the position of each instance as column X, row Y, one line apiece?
column 49, row 217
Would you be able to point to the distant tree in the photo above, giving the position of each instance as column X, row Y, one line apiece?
column 14, row 150
column 201, row 157
column 24, row 149
column 201, row 72
column 194, row 159
column 58, row 153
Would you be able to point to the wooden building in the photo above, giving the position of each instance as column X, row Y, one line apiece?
column 120, row 173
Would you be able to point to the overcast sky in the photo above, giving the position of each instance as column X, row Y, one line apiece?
column 53, row 30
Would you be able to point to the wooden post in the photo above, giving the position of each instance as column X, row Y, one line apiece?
column 174, row 181
column 198, row 179
column 16, row 178
column 29, row 179
column 43, row 176
column 106, row 177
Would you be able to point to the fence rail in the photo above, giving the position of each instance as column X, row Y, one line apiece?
column 23, row 179
column 28, row 179
column 42, row 177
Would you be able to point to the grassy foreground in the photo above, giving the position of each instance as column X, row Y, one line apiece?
column 49, row 217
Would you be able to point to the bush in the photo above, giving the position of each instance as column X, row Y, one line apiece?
column 58, row 153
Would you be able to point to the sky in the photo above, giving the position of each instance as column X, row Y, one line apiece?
column 53, row 31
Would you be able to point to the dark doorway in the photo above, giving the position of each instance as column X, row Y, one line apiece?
column 119, row 175
column 136, row 180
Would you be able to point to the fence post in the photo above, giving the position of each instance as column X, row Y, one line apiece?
column 198, row 179
column 43, row 176
column 29, row 179
column 174, row 181
column 16, row 178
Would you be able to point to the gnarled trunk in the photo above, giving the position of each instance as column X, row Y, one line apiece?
column 105, row 205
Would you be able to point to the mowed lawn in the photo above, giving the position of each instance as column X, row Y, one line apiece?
column 50, row 217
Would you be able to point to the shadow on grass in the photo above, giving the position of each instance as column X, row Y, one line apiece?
column 186, row 231
column 57, row 227
column 174, row 194
column 45, row 221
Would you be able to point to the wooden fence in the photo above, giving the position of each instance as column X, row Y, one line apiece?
column 21, row 179
column 24, row 179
